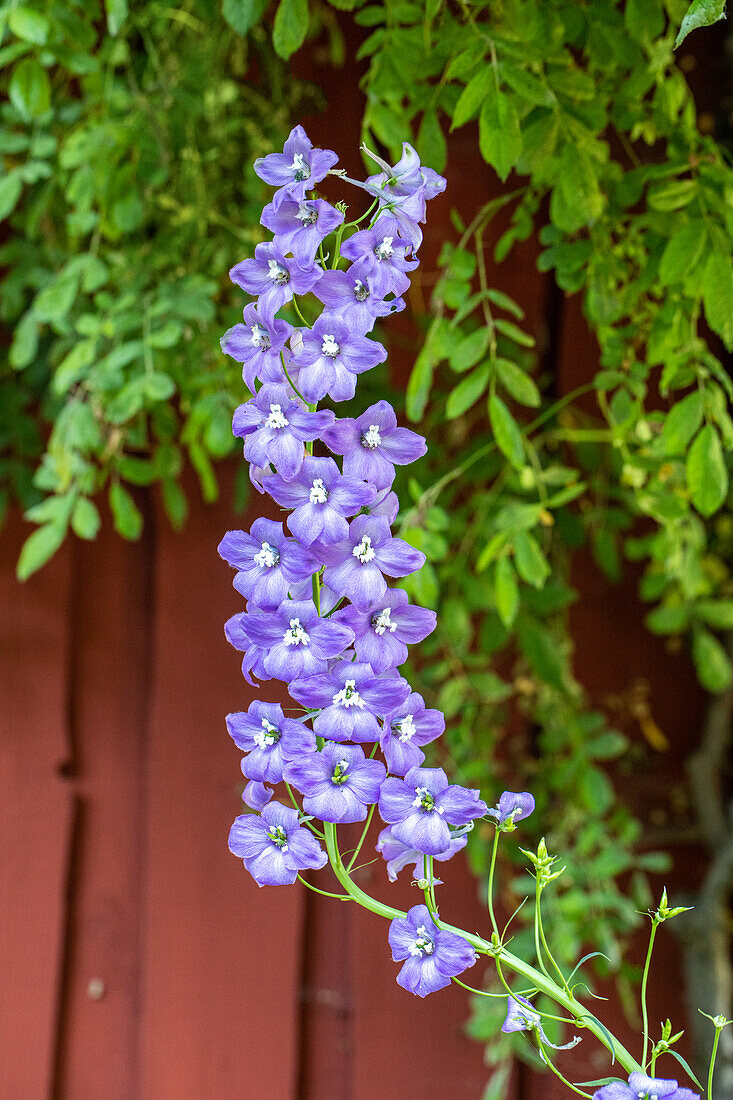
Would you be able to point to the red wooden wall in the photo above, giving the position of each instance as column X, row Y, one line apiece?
column 138, row 961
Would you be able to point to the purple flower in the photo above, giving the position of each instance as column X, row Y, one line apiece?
column 350, row 697
column 274, row 278
column 407, row 728
column 300, row 226
column 432, row 955
column 269, row 738
column 387, row 504
column 355, row 566
column 400, row 216
column 297, row 169
column 521, row 1016
column 275, row 425
column 322, row 498
column 338, row 783
column 273, row 846
column 421, row 807
column 405, row 177
column 353, row 297
column 641, row 1087
column 256, row 795
column 399, row 856
column 254, row 655
column 330, row 357
column 257, row 345
column 296, row 641
column 382, row 260
column 372, row 444
column 383, row 630
column 510, row 808
column 268, row 562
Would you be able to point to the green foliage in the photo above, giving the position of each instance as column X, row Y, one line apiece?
column 128, row 193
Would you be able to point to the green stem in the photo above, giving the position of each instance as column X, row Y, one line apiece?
column 537, row 924
column 549, row 953
column 713, row 1056
column 644, row 980
column 557, row 1073
column 292, row 384
column 490, row 888
column 297, row 310
column 362, row 838
column 325, row 893
column 519, row 966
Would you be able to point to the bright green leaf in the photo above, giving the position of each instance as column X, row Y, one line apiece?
column 531, row 563
column 28, row 24
column 506, row 591
column 506, row 432
column 290, row 27
column 242, row 15
column 30, row 89
column 707, row 475
column 712, row 664
column 125, row 514
column 38, row 548
column 517, row 383
column 701, row 13
column 717, row 296
column 468, row 391
column 500, row 136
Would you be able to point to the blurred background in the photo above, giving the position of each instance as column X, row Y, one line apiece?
column 583, row 587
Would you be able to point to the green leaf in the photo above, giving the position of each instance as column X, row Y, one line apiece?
column 526, row 85
column 125, row 514
column 30, row 89
column 513, row 332
column 72, row 366
column 716, row 613
column 469, row 350
column 576, row 200
column 500, row 136
column 644, row 19
column 117, row 12
column 682, row 251
column 717, row 296
column 85, row 519
column 541, row 650
column 707, row 475
column 668, row 619
column 243, row 15
column 506, row 591
column 531, row 563
column 473, row 95
column 701, row 13
column 681, row 423
column 158, row 386
column 431, row 141
column 506, row 432
column 24, row 347
column 55, row 300
column 711, row 661
column 290, row 27
column 28, row 24
column 38, row 548
column 468, row 391
column 517, row 382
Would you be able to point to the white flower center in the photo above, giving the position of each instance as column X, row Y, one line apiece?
column 299, row 168
column 279, row 837
column 260, row 338
column 384, row 249
column 279, row 274
column 270, row 735
column 296, row 635
column 348, row 696
column 371, row 439
column 405, row 729
column 422, row 944
column 426, row 801
column 382, row 622
column 340, row 773
column 319, row 492
column 361, row 292
column 306, row 214
column 267, row 557
column 329, row 346
column 364, row 551
column 277, row 418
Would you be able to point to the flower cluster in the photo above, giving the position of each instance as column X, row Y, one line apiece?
column 321, row 613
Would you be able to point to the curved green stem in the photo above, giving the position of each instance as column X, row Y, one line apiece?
column 325, row 893
column 548, row 1062
column 490, row 887
column 549, row 953
column 713, row 1056
column 644, row 980
column 513, row 962
column 364, row 832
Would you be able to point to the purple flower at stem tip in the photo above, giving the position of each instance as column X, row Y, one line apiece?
column 274, row 846
column 432, row 955
column 297, row 169
column 511, row 808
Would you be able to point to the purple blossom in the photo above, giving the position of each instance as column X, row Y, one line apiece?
column 256, row 795
column 322, row 498
column 329, row 358
column 641, row 1087
column 297, row 169
column 273, row 846
column 511, row 808
column 257, row 345
column 399, row 856
column 353, row 297
column 274, row 277
column 268, row 562
column 338, row 783
column 380, row 259
column 399, row 218
column 301, row 226
column 383, row 630
column 269, row 739
column 253, row 661
column 406, row 177
column 350, row 697
column 407, row 728
column 432, row 955
column 521, row 1016
column 297, row 642
column 373, row 443
column 355, row 566
column 275, row 425
column 421, row 807
column 387, row 504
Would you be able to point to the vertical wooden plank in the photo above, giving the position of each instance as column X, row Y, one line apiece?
column 222, row 956
column 111, row 672
column 36, row 811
